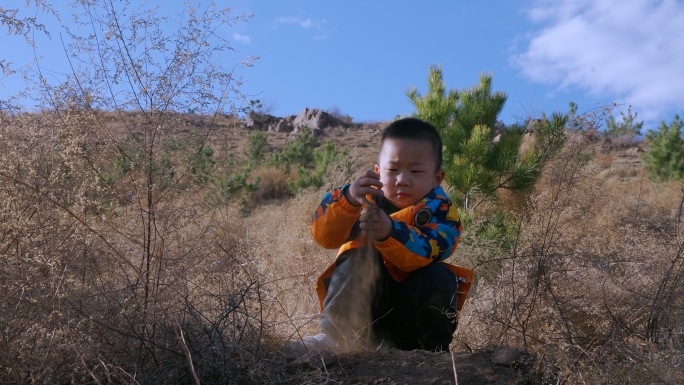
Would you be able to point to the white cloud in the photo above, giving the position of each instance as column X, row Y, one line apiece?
column 244, row 39
column 629, row 50
column 303, row 23
column 306, row 24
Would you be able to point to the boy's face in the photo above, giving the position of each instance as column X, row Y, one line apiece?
column 407, row 170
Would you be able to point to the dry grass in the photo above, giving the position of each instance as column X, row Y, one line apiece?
column 99, row 285
column 272, row 186
column 289, row 259
column 584, row 286
column 95, row 292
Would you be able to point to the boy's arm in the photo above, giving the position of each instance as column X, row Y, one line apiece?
column 412, row 247
column 334, row 219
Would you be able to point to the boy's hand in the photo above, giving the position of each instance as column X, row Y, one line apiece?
column 368, row 183
column 374, row 223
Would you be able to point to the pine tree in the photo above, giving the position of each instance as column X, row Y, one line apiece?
column 478, row 159
column 438, row 106
column 665, row 155
column 627, row 128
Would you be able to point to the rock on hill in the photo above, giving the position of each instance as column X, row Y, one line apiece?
column 314, row 119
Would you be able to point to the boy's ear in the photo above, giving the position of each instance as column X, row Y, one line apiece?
column 377, row 169
column 439, row 177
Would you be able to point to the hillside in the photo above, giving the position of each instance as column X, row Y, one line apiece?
column 118, row 270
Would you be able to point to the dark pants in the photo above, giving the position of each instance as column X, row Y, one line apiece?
column 366, row 305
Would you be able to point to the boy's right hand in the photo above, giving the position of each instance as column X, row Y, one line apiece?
column 368, row 183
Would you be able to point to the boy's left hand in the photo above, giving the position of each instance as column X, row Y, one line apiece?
column 374, row 223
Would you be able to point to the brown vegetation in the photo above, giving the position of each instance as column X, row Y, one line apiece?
column 96, row 288
column 592, row 285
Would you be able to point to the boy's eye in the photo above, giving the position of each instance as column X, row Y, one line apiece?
column 416, row 171
column 392, row 169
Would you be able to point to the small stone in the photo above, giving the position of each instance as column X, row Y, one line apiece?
column 505, row 356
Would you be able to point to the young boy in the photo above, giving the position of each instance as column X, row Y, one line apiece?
column 393, row 227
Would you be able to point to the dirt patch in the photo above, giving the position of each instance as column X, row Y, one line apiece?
column 397, row 367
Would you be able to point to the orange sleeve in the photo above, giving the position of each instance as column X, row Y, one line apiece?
column 334, row 219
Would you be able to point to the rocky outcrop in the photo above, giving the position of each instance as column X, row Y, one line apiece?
column 317, row 119
column 314, row 119
column 283, row 125
column 259, row 121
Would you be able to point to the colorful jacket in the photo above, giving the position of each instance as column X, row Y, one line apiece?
column 425, row 232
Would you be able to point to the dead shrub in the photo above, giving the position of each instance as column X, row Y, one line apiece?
column 116, row 295
column 593, row 284
column 272, row 186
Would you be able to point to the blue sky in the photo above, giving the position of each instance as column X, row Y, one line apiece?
column 361, row 57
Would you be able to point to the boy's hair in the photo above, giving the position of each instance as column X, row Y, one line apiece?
column 416, row 129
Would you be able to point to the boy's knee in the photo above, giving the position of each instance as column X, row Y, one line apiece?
column 434, row 280
column 436, row 288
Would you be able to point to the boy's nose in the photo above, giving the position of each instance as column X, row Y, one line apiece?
column 402, row 179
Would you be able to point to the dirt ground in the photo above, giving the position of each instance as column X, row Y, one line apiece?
column 397, row 367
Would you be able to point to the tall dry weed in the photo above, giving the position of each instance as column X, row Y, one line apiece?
column 97, row 288
column 43, row 239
